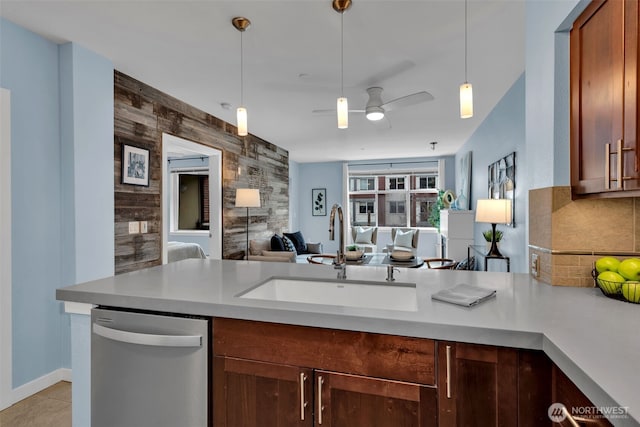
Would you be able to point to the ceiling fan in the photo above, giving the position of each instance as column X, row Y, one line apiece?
column 376, row 108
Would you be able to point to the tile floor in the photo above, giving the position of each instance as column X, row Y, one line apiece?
column 49, row 408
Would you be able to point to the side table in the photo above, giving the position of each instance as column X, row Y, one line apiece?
column 481, row 251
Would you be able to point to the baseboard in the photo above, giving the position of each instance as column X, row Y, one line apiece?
column 39, row 384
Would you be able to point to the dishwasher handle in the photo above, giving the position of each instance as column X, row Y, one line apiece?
column 148, row 339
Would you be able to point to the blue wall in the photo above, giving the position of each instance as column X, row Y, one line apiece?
column 501, row 133
column 29, row 69
column 62, row 188
column 318, row 175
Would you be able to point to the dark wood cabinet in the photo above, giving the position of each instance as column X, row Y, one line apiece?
column 604, row 100
column 580, row 409
column 267, row 374
column 483, row 385
column 249, row 393
column 347, row 400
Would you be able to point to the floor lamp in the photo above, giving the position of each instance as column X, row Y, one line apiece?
column 247, row 198
column 494, row 211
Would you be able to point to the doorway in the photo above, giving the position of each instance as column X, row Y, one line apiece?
column 197, row 161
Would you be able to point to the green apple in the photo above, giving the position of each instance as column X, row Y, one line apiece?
column 630, row 269
column 610, row 282
column 631, row 291
column 607, row 263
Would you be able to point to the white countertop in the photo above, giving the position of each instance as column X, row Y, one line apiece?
column 593, row 339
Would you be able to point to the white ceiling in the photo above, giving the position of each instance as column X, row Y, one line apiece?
column 190, row 50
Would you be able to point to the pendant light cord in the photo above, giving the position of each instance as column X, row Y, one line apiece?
column 241, row 70
column 342, row 54
column 466, row 5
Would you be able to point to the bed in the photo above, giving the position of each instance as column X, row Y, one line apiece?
column 177, row 251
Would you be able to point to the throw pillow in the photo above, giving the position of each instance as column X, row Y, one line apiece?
column 276, row 243
column 288, row 244
column 364, row 235
column 404, row 238
column 298, row 242
column 258, row 245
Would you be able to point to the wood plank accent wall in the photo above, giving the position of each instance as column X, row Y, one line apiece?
column 142, row 114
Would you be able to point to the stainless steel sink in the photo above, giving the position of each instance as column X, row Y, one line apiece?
column 349, row 293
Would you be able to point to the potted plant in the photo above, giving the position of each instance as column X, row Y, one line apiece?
column 434, row 214
column 488, row 236
column 353, row 252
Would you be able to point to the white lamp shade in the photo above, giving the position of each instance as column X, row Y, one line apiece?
column 247, row 198
column 343, row 113
column 466, row 101
column 242, row 121
column 494, row 211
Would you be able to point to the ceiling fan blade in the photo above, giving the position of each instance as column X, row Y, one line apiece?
column 405, row 101
column 333, row 111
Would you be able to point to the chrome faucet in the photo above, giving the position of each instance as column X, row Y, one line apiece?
column 340, row 262
column 390, row 270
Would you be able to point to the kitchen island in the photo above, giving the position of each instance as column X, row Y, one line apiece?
column 591, row 338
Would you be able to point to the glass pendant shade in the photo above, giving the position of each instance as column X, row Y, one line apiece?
column 242, row 121
column 343, row 113
column 466, row 101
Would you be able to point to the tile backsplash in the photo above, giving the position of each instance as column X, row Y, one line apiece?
column 569, row 235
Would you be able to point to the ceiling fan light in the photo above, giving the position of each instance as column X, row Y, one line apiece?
column 242, row 121
column 466, row 101
column 374, row 113
column 343, row 113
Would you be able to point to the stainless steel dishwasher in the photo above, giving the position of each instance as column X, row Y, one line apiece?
column 148, row 369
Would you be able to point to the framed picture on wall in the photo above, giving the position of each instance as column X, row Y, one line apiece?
column 135, row 165
column 319, row 202
column 502, row 181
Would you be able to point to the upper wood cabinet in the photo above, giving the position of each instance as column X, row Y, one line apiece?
column 604, row 100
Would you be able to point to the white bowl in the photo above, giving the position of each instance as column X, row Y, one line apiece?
column 401, row 255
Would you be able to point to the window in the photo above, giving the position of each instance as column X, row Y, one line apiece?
column 396, row 183
column 398, row 200
column 426, row 182
column 362, row 183
column 396, row 207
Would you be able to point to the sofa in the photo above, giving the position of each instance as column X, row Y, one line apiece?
column 288, row 247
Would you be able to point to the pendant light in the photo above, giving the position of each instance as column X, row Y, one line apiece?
column 466, row 91
column 241, row 24
column 341, row 6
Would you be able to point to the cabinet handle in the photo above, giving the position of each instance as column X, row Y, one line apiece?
column 620, row 178
column 320, row 407
column 619, row 162
column 607, row 167
column 448, row 351
column 303, row 403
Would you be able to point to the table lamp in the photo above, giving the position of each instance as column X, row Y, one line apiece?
column 247, row 198
column 494, row 211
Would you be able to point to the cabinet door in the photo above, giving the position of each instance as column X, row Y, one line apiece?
column 349, row 400
column 477, row 385
column 597, row 94
column 256, row 394
column 577, row 404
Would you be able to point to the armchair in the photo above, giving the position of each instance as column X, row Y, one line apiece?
column 405, row 239
column 365, row 238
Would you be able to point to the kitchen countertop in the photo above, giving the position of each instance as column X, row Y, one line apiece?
column 593, row 339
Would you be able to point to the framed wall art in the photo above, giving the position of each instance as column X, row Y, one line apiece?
column 135, row 165
column 502, row 181
column 319, row 201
